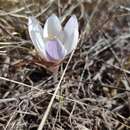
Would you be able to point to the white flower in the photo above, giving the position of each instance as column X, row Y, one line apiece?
column 54, row 42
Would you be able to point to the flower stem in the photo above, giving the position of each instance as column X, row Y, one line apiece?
column 42, row 123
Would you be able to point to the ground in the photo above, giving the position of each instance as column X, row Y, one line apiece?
column 95, row 90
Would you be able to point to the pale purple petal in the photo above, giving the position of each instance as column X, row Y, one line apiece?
column 71, row 25
column 36, row 35
column 55, row 50
column 71, row 34
column 52, row 26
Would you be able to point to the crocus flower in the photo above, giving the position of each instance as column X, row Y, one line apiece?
column 53, row 42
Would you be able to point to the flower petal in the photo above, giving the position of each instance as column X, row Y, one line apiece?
column 52, row 27
column 71, row 34
column 36, row 35
column 55, row 50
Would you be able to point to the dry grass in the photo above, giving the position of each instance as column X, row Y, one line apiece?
column 95, row 91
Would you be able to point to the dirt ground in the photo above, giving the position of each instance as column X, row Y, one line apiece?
column 95, row 90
